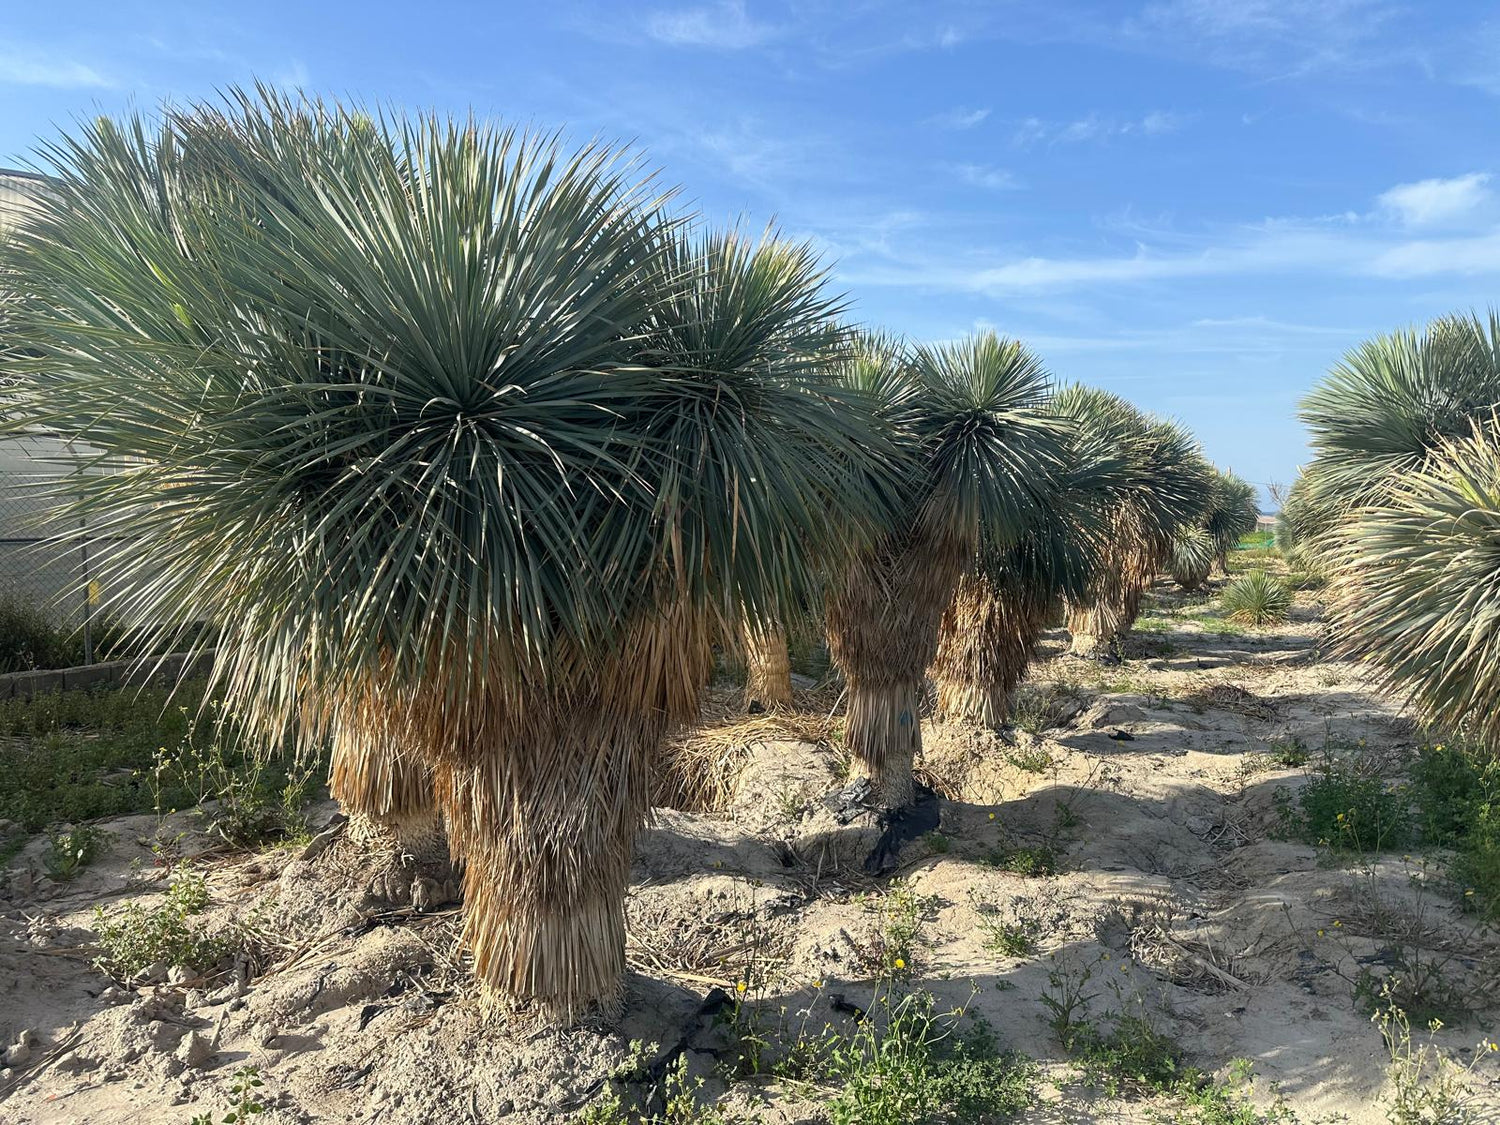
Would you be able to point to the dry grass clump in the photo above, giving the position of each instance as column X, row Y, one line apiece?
column 707, row 945
column 1232, row 697
column 696, row 769
column 1187, row 960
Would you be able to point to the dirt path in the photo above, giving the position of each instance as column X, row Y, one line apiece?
column 1133, row 837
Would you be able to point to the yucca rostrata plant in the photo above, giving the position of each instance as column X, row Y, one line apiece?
column 1396, row 507
column 1233, row 512
column 1418, row 594
column 1168, row 487
column 991, row 629
column 981, row 454
column 1302, row 525
column 464, row 446
column 1385, row 406
column 1194, row 553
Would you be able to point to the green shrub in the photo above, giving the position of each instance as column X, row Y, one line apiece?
column 138, row 937
column 1344, row 809
column 31, row 639
column 1476, row 872
column 1457, row 792
column 1455, row 786
column 1020, row 860
column 907, row 1064
column 78, row 756
column 1257, row 598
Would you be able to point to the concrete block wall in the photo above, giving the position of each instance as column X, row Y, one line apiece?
column 157, row 670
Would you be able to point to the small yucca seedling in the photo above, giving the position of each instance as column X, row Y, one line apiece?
column 1257, row 598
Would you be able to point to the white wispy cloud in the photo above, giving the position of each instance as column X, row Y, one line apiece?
column 722, row 26
column 751, row 153
column 979, row 175
column 34, row 67
column 1431, row 202
column 1205, row 336
column 1094, row 127
column 1377, row 244
column 1430, row 257
column 293, row 76
column 1277, row 38
column 959, row 118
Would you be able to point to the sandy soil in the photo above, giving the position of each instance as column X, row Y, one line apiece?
column 1153, row 787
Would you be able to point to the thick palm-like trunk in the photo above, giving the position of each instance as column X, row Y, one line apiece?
column 545, row 830
column 1100, row 622
column 986, row 643
column 543, row 788
column 768, row 666
column 883, row 617
column 1099, row 625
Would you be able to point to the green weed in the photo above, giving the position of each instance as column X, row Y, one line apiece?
column 1032, row 862
column 1424, row 1085
column 1032, row 759
column 1289, row 753
column 1041, row 707
column 679, row 1095
column 80, row 756
column 1124, row 1050
column 70, row 851
column 909, row 1064
column 896, row 947
column 247, row 1103
column 1457, row 793
column 137, row 938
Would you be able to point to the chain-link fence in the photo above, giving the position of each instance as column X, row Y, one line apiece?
column 44, row 570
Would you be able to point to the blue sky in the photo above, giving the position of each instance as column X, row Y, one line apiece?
column 1200, row 204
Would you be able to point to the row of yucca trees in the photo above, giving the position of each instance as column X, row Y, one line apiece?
column 1400, row 510
column 473, row 450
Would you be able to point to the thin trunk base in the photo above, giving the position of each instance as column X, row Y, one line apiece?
column 884, row 735
column 413, row 867
column 768, row 669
